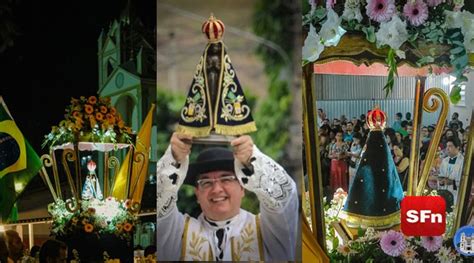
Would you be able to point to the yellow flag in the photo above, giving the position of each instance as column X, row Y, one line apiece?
column 312, row 251
column 135, row 181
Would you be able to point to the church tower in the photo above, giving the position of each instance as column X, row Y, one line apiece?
column 127, row 68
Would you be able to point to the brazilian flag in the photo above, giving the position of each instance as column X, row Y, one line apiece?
column 19, row 163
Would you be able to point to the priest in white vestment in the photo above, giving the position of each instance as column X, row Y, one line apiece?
column 224, row 231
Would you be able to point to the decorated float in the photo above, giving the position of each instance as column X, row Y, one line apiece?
column 390, row 38
column 95, row 171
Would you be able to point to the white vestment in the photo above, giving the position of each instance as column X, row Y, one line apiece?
column 452, row 172
column 271, row 233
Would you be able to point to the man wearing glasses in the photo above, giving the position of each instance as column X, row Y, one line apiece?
column 224, row 231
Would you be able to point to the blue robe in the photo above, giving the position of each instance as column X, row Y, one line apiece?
column 376, row 192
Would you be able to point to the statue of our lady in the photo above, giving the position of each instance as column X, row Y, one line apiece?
column 376, row 192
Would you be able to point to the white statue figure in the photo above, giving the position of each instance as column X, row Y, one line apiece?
column 91, row 189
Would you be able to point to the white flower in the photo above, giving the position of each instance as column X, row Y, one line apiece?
column 469, row 41
column 312, row 47
column 467, row 24
column 331, row 31
column 352, row 10
column 393, row 33
column 444, row 254
column 453, row 19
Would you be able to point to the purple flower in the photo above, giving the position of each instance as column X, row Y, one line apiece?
column 434, row 2
column 432, row 244
column 381, row 10
column 392, row 243
column 330, row 3
column 416, row 12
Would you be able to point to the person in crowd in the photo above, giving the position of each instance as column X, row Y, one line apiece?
column 425, row 134
column 408, row 116
column 34, row 252
column 3, row 248
column 354, row 154
column 338, row 154
column 14, row 245
column 224, row 231
column 349, row 132
column 397, row 123
column 398, row 137
column 325, row 161
column 343, row 119
column 451, row 168
column 401, row 162
column 455, row 120
column 431, row 129
column 403, row 130
column 53, row 251
column 321, row 117
column 444, row 138
column 150, row 250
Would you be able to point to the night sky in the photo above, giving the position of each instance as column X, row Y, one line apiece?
column 55, row 58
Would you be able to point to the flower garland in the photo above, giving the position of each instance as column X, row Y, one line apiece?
column 95, row 217
column 377, row 246
column 436, row 31
column 89, row 119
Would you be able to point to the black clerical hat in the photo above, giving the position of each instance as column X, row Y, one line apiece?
column 210, row 159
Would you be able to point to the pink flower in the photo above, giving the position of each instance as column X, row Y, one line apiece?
column 434, row 2
column 416, row 12
column 392, row 243
column 330, row 3
column 432, row 244
column 381, row 10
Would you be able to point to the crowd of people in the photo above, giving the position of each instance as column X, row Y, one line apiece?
column 342, row 142
column 12, row 250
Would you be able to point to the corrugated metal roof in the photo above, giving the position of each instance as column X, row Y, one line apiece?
column 355, row 95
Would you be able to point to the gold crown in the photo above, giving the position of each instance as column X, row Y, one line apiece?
column 214, row 29
column 376, row 119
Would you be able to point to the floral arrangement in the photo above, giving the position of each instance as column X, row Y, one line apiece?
column 89, row 119
column 95, row 217
column 377, row 246
column 435, row 32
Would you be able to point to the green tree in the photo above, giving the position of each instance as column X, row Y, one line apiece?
column 279, row 23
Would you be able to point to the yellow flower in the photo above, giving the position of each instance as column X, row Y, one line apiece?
column 119, row 227
column 92, row 121
column 110, row 118
column 89, row 109
column 76, row 114
column 121, row 124
column 99, row 116
column 103, row 109
column 74, row 101
column 127, row 227
column 88, row 228
column 92, row 100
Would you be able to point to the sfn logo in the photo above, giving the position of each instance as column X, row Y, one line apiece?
column 423, row 215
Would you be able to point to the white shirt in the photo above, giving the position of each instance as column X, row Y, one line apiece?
column 452, row 172
column 274, row 188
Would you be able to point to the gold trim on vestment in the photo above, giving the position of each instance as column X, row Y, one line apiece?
column 184, row 239
column 377, row 222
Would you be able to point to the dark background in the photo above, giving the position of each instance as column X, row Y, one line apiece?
column 54, row 58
